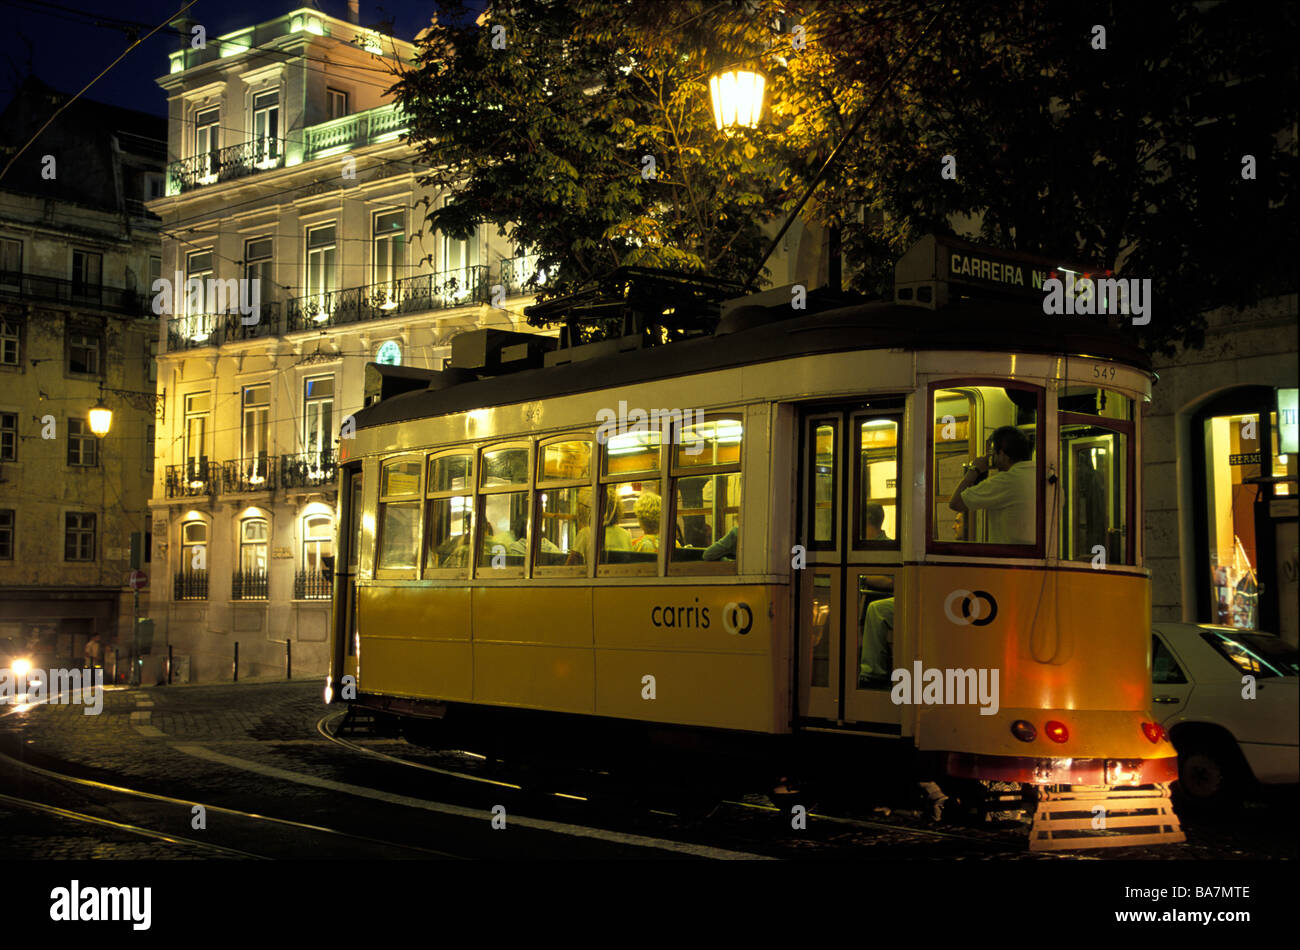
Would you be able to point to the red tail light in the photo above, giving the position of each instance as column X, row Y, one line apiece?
column 1056, row 731
column 1155, row 732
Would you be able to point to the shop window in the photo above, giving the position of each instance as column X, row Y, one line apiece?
column 1233, row 469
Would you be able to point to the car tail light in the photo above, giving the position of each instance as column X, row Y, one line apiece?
column 1024, row 730
column 1056, row 731
column 1155, row 732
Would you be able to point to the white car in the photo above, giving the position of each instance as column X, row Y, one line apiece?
column 1224, row 739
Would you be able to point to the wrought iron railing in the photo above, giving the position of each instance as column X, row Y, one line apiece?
column 248, row 585
column 195, row 477
column 226, row 164
column 311, row 585
column 308, row 470
column 244, row 475
column 35, row 287
column 423, row 292
column 353, row 131
column 514, row 274
column 191, row 330
column 190, row 585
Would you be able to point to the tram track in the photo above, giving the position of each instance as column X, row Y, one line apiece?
column 988, row 844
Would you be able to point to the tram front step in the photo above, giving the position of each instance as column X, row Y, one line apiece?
column 1090, row 816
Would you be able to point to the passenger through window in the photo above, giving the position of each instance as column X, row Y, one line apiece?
column 707, row 505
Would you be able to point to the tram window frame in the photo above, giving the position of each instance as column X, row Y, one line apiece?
column 856, row 509
column 542, row 484
column 432, row 495
column 814, row 423
column 675, row 472
column 386, row 498
column 1129, row 509
column 605, row 483
column 984, row 549
column 485, row 571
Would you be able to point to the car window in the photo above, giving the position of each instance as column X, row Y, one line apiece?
column 1262, row 656
column 1164, row 668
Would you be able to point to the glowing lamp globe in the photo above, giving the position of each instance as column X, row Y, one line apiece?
column 737, row 98
column 101, row 418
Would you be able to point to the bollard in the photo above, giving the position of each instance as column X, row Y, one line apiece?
column 236, row 661
column 169, row 664
column 288, row 660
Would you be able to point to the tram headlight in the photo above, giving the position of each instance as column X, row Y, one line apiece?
column 329, row 691
column 1024, row 730
column 1154, row 731
column 21, row 667
column 1056, row 731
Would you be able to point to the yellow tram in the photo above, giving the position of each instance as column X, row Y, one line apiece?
column 734, row 533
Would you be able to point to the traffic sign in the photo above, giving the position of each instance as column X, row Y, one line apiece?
column 137, row 580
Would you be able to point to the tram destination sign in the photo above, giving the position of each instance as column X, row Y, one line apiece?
column 971, row 270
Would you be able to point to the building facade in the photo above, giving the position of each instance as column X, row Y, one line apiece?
column 287, row 174
column 78, row 251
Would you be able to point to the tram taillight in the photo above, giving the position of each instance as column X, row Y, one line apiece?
column 1155, row 732
column 1024, row 730
column 1056, row 731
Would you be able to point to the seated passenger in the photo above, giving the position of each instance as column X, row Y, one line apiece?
column 648, row 509
column 875, row 518
column 724, row 549
column 877, row 640
column 616, row 537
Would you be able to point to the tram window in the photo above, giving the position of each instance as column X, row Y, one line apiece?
column 715, row 442
column 876, row 507
column 824, row 438
column 563, row 501
column 631, row 452
column 1091, row 401
column 399, row 519
column 1094, row 495
column 451, row 472
column 1002, row 507
column 505, row 467
column 449, row 531
column 505, row 528
column 631, row 518
column 819, row 640
column 708, row 518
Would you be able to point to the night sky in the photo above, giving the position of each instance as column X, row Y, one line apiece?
column 66, row 43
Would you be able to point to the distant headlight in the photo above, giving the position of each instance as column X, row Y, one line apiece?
column 22, row 667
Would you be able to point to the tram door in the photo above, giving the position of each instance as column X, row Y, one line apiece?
column 345, row 570
column 849, row 525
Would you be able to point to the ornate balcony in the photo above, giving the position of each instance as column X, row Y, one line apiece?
column 246, row 475
column 189, row 331
column 224, row 164
column 311, row 585
column 424, row 292
column 190, row 585
column 514, row 273
column 133, row 303
column 248, row 585
column 308, row 470
column 353, row 131
column 195, row 477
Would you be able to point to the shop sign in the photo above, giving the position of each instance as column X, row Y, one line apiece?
column 1246, row 458
column 1286, row 421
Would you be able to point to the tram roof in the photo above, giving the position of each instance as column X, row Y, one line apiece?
column 997, row 326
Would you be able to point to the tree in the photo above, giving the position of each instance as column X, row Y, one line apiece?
column 1124, row 151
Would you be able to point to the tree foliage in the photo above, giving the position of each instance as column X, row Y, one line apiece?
column 1127, row 157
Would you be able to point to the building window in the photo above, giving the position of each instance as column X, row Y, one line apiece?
column 87, row 273
column 250, row 581
column 257, row 415
column 153, row 361
column 8, row 436
column 195, row 326
column 191, row 580
column 196, row 431
column 318, row 418
column 207, row 139
column 81, row 443
column 153, row 186
column 257, row 265
column 317, row 541
column 321, row 251
column 83, row 352
column 79, row 537
column 457, row 255
column 11, row 262
column 266, row 129
column 388, row 252
column 10, row 341
column 338, row 103
column 6, row 534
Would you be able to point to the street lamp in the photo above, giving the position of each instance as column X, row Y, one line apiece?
column 101, row 418
column 737, row 98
